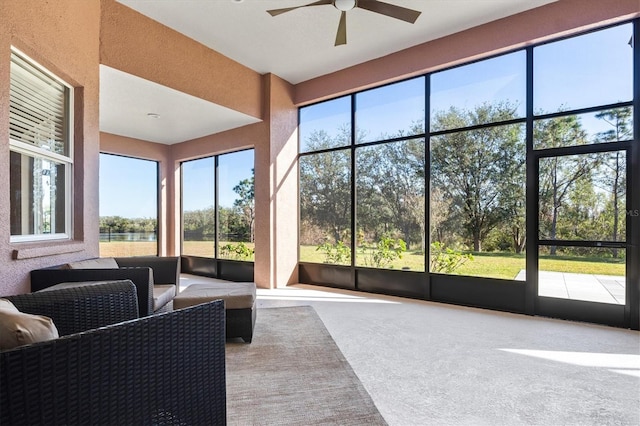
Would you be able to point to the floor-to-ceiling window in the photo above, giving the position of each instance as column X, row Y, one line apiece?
column 236, row 206
column 362, row 179
column 198, row 207
column 389, row 176
column 325, row 182
column 477, row 179
column 128, row 206
column 527, row 158
column 218, row 207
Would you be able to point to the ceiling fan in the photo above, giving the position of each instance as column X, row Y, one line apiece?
column 391, row 10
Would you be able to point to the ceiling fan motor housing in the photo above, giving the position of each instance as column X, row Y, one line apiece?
column 344, row 5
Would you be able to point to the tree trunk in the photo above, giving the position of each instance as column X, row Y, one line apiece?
column 518, row 239
column 615, row 203
column 336, row 235
column 477, row 243
column 556, row 206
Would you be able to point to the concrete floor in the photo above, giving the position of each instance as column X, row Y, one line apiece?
column 427, row 363
column 590, row 288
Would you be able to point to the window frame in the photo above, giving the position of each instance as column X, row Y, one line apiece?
column 216, row 206
column 35, row 152
column 156, row 188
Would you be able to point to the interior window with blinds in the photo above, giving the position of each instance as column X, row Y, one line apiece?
column 40, row 160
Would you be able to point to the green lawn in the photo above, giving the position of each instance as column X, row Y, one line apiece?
column 500, row 265
column 490, row 265
column 128, row 248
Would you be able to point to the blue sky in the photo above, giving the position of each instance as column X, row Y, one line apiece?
column 589, row 70
column 199, row 179
column 128, row 185
column 595, row 69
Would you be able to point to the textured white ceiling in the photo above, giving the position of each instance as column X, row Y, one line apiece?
column 297, row 46
column 126, row 102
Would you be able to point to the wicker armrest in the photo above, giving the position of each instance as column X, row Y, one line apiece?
column 162, row 369
column 76, row 309
column 141, row 277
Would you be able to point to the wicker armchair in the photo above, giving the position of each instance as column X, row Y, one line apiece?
column 161, row 369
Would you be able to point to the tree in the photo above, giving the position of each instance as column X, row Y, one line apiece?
column 325, row 187
column 439, row 208
column 620, row 121
column 478, row 169
column 245, row 203
column 390, row 189
column 198, row 225
column 559, row 174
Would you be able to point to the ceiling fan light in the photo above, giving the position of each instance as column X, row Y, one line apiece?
column 344, row 5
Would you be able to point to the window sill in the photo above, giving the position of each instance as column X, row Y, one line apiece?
column 50, row 249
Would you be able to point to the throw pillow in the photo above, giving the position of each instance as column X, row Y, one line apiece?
column 18, row 328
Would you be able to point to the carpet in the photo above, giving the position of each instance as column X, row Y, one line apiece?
column 293, row 373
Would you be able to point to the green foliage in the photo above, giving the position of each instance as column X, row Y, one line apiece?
column 391, row 190
column 244, row 207
column 481, row 171
column 198, row 225
column 338, row 253
column 120, row 224
column 325, row 185
column 236, row 223
column 384, row 252
column 238, row 251
column 446, row 260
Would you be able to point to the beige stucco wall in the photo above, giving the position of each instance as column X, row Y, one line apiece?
column 63, row 36
column 282, row 116
column 138, row 45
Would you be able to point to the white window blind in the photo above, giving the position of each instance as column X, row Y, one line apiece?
column 38, row 108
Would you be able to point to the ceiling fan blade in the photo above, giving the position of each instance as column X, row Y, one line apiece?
column 276, row 12
column 398, row 12
column 341, row 36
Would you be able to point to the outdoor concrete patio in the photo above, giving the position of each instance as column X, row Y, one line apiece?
column 590, row 288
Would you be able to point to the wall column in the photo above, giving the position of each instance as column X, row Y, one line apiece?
column 277, row 189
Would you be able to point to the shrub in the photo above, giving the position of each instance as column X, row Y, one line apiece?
column 445, row 259
column 238, row 251
column 335, row 253
column 384, row 252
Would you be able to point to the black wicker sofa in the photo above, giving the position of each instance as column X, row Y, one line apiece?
column 162, row 369
column 156, row 278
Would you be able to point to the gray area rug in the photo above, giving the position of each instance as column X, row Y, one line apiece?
column 293, row 373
